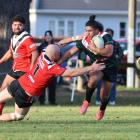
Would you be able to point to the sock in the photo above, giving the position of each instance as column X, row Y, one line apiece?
column 104, row 104
column 1, row 107
column 89, row 93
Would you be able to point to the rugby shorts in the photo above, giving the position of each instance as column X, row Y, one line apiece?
column 110, row 74
column 21, row 98
column 15, row 74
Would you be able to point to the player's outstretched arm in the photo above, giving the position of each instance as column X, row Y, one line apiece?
column 65, row 41
column 80, row 71
column 68, row 54
column 6, row 56
column 34, row 58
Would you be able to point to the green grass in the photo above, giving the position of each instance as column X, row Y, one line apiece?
column 65, row 123
column 124, row 88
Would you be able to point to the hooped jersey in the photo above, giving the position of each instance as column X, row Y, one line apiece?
column 109, row 61
column 21, row 48
column 40, row 76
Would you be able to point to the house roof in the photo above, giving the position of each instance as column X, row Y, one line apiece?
column 115, row 5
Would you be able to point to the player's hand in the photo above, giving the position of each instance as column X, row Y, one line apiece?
column 92, row 47
column 79, row 37
column 97, row 66
column 86, row 40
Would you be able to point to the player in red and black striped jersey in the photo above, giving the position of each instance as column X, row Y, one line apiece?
column 33, row 82
column 23, row 51
column 21, row 48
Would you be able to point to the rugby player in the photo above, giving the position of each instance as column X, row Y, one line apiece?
column 22, row 50
column 108, row 75
column 34, row 81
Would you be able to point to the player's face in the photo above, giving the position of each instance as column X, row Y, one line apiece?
column 91, row 31
column 17, row 27
column 48, row 38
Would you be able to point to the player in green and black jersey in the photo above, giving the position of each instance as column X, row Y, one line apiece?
column 84, row 43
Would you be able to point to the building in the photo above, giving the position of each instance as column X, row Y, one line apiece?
column 68, row 17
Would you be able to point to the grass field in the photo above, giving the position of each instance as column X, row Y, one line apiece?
column 63, row 122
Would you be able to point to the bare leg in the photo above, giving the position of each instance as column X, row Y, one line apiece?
column 104, row 95
column 8, row 79
column 105, row 90
column 4, row 95
column 92, row 83
column 19, row 114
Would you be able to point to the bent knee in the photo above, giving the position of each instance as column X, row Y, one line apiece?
column 17, row 116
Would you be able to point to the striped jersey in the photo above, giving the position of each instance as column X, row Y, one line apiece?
column 21, row 48
column 109, row 61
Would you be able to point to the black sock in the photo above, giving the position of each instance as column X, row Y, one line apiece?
column 104, row 104
column 89, row 93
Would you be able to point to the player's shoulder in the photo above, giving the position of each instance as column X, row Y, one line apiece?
column 107, row 38
column 79, row 44
column 106, row 35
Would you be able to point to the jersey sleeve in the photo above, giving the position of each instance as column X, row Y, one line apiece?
column 31, row 46
column 79, row 44
column 57, row 70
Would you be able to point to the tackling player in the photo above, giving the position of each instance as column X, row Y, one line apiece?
column 33, row 82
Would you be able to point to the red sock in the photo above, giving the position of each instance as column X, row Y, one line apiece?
column 1, row 107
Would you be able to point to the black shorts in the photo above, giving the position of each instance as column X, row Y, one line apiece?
column 15, row 74
column 21, row 98
column 110, row 74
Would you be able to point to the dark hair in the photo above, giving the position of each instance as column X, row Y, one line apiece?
column 92, row 17
column 19, row 19
column 94, row 24
column 110, row 30
column 101, row 27
column 48, row 32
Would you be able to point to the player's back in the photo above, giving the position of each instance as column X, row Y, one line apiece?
column 40, row 76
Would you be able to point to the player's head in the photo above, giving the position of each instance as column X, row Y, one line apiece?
column 110, row 31
column 48, row 33
column 49, row 36
column 93, row 27
column 18, row 23
column 53, row 52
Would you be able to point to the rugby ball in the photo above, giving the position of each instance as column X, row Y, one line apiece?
column 138, row 63
column 98, row 41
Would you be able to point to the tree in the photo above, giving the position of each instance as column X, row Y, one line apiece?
column 8, row 9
